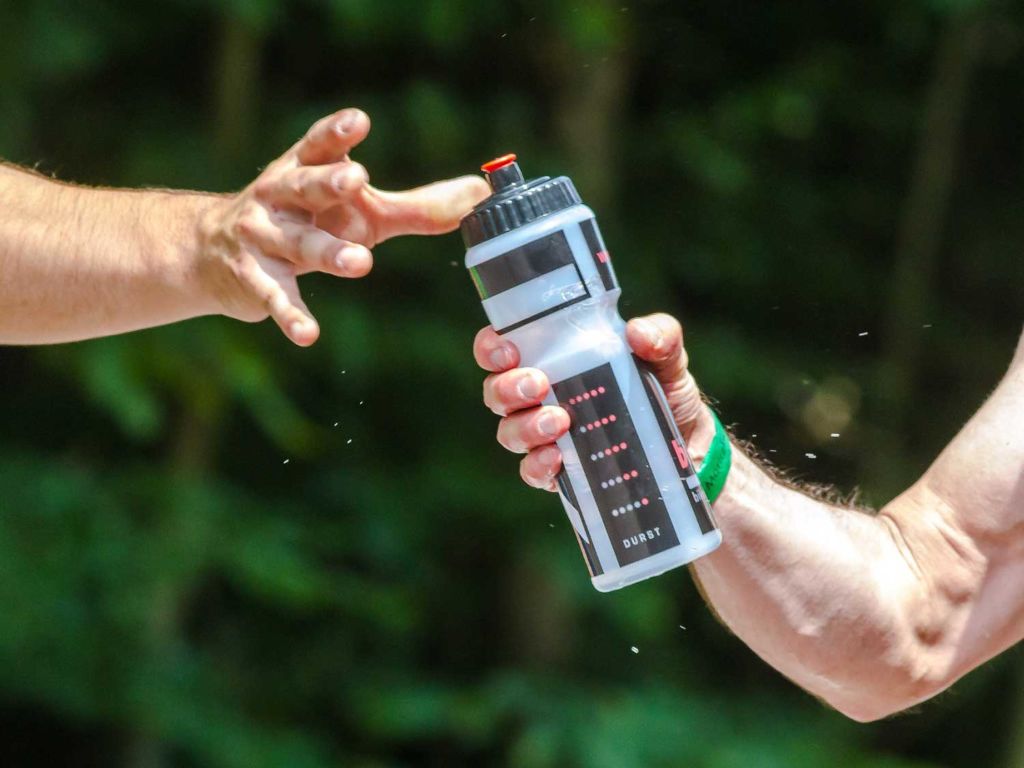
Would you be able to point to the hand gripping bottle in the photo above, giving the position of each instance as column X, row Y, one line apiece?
column 547, row 284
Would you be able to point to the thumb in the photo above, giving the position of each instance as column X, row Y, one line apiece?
column 658, row 340
column 431, row 210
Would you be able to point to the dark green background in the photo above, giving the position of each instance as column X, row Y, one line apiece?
column 784, row 176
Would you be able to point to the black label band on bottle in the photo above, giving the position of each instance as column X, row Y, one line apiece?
column 615, row 464
column 530, row 282
column 669, row 430
column 522, row 264
column 602, row 260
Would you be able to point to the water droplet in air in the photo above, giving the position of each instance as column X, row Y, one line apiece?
column 349, row 441
column 681, row 626
column 863, row 333
column 810, row 456
column 286, row 461
column 336, row 423
column 835, row 434
column 927, row 325
column 634, row 649
column 361, row 402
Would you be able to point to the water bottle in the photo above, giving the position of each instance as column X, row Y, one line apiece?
column 546, row 281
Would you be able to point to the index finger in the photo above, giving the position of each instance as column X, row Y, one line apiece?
column 429, row 210
column 493, row 353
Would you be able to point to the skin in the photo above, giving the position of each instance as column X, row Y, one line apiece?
column 873, row 612
column 79, row 263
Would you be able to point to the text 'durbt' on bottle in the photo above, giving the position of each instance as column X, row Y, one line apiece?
column 547, row 284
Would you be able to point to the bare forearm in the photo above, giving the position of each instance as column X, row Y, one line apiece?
column 871, row 612
column 77, row 263
column 875, row 613
column 812, row 588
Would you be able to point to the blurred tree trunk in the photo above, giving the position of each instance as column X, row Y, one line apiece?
column 236, row 72
column 589, row 89
column 191, row 459
column 235, row 94
column 919, row 241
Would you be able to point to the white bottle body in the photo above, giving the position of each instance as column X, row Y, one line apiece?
column 628, row 486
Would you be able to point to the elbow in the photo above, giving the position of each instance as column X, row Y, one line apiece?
column 889, row 685
column 871, row 709
column 882, row 705
column 884, row 668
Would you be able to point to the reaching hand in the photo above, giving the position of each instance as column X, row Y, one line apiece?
column 528, row 427
column 313, row 210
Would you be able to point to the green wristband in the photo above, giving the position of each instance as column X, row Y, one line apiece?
column 715, row 469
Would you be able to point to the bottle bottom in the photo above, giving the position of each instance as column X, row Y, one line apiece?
column 683, row 554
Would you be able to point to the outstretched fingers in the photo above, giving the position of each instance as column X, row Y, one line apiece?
column 430, row 210
column 293, row 239
column 333, row 137
column 314, row 188
column 312, row 249
column 278, row 294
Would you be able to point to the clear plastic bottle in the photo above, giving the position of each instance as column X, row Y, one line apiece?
column 547, row 284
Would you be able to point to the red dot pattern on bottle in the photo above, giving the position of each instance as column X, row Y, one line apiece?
column 630, row 507
column 604, row 421
column 619, row 479
column 586, row 395
column 598, row 455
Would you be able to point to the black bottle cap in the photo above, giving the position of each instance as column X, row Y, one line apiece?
column 515, row 201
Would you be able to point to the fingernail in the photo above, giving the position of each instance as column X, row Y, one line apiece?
column 650, row 331
column 501, row 358
column 548, row 424
column 296, row 329
column 347, row 119
column 529, row 387
column 339, row 260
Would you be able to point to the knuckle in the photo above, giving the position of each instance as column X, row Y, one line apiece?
column 248, row 222
column 295, row 185
column 327, row 185
column 304, row 244
column 356, row 176
column 264, row 187
column 291, row 236
column 243, row 270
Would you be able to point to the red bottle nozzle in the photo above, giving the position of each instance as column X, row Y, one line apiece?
column 503, row 173
column 498, row 162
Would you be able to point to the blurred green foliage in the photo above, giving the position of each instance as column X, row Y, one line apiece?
column 219, row 550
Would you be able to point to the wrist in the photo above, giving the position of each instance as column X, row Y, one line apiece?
column 209, row 275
